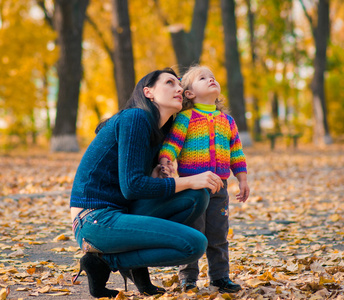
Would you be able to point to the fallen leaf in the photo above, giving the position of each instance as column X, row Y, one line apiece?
column 17, row 253
column 4, row 292
column 44, row 289
column 121, row 296
column 170, row 280
column 255, row 282
column 61, row 237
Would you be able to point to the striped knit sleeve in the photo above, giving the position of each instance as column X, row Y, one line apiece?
column 174, row 141
column 238, row 160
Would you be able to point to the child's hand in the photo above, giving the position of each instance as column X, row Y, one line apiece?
column 244, row 191
column 161, row 171
column 243, row 187
column 167, row 168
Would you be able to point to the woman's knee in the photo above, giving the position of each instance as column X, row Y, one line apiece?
column 203, row 198
column 199, row 244
column 200, row 197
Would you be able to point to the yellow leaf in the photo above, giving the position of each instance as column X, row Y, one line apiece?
column 4, row 293
column 36, row 243
column 230, row 233
column 227, row 296
column 335, row 217
column 31, row 270
column 267, row 276
column 282, row 276
column 61, row 237
column 72, row 249
column 59, row 294
column 59, row 249
column 45, row 289
column 22, row 289
column 169, row 281
column 121, row 296
column 254, row 282
column 324, row 280
column 11, row 270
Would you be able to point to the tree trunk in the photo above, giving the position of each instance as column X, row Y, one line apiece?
column 234, row 77
column 123, row 52
column 45, row 97
column 69, row 20
column 257, row 131
column 188, row 45
column 321, row 128
column 275, row 112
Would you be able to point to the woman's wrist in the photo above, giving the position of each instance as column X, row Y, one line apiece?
column 182, row 183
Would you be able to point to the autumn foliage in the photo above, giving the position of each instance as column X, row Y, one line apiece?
column 285, row 242
column 281, row 72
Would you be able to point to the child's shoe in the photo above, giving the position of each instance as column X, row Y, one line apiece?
column 225, row 285
column 188, row 284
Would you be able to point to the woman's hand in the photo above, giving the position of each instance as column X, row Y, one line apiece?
column 204, row 180
column 156, row 171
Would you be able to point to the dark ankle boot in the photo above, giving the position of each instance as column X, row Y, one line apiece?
column 98, row 273
column 140, row 277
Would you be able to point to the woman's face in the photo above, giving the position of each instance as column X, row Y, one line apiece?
column 167, row 93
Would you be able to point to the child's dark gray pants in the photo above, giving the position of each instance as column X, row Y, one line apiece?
column 214, row 225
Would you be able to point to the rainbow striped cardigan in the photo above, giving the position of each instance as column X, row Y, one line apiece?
column 204, row 141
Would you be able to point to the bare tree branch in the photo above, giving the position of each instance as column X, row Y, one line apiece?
column 48, row 18
column 161, row 15
column 187, row 45
column 95, row 27
column 308, row 16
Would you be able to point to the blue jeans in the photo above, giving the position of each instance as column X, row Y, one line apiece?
column 151, row 233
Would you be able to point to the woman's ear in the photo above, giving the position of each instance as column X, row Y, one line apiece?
column 148, row 93
column 188, row 94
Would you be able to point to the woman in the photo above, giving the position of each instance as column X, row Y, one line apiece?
column 111, row 221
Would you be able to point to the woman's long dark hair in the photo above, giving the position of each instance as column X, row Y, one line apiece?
column 139, row 100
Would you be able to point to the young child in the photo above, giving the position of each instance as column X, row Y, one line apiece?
column 203, row 138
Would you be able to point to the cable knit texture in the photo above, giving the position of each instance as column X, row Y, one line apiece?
column 204, row 141
column 116, row 166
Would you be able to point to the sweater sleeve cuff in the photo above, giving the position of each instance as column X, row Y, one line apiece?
column 165, row 154
column 170, row 187
column 239, row 169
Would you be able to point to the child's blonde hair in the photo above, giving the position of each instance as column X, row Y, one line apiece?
column 187, row 81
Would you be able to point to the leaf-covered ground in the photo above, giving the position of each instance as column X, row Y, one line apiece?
column 285, row 242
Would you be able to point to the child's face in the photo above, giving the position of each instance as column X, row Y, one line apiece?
column 204, row 88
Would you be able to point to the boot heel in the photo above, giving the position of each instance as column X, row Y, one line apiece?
column 140, row 277
column 98, row 273
column 125, row 278
column 76, row 277
column 126, row 274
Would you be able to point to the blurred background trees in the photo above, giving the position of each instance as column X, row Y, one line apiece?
column 65, row 65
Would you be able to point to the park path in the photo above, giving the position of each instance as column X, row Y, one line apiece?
column 285, row 242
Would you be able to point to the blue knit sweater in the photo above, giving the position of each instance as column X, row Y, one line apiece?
column 116, row 166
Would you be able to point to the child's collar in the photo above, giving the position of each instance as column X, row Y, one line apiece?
column 205, row 107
